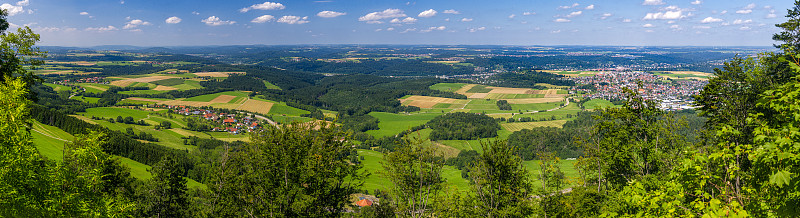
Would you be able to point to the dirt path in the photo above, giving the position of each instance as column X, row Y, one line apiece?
column 48, row 135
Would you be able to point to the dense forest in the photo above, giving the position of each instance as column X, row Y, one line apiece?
column 463, row 126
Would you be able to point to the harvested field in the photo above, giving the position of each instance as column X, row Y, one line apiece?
column 84, row 119
column 533, row 100
column 478, row 95
column 164, row 88
column 127, row 82
column 222, row 99
column 696, row 73
column 255, row 106
column 182, row 132
column 502, row 90
column 464, row 89
column 96, row 87
column 530, row 125
column 429, row 102
column 217, row 74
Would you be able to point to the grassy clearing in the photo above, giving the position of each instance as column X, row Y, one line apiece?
column 188, row 84
column 86, row 99
column 94, row 87
column 375, row 181
column 391, row 124
column 58, row 87
column 479, row 89
column 113, row 112
column 597, row 103
column 560, row 114
column 447, row 87
column 280, row 108
column 535, row 106
column 169, row 82
column 271, row 86
column 209, row 97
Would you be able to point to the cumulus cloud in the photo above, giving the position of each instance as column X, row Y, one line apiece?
column 427, row 13
column 568, row 6
column 711, row 20
column 671, row 13
column 390, row 29
column 101, row 29
column 697, row 2
column 173, row 20
column 14, row 9
column 771, row 15
column 574, row 14
column 648, row 25
column 405, row 20
column 561, row 20
column 451, row 11
column 84, row 13
column 675, row 27
column 605, row 16
column 472, row 30
column 653, row 2
column 433, row 28
column 528, row 13
column 264, row 6
column 555, row 31
column 590, row 7
column 744, row 28
column 409, row 30
column 512, row 16
column 330, row 14
column 747, row 9
column 740, row 21
column 374, row 17
column 215, row 21
column 626, row 20
column 293, row 20
column 263, row 19
column 135, row 23
column 701, row 27
column 466, row 19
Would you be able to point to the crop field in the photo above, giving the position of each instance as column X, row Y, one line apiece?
column 392, row 124
column 597, row 104
column 94, row 87
column 271, row 86
column 222, row 99
column 86, row 99
column 217, row 74
column 429, row 102
column 280, row 108
column 168, row 82
column 210, row 97
column 130, row 81
column 535, row 106
column 517, row 126
column 256, row 106
column 142, row 92
column 560, row 114
column 512, row 96
column 479, row 89
column 113, row 112
column 503, row 90
column 534, row 100
column 447, row 87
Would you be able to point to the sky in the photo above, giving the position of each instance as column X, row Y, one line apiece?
column 439, row 22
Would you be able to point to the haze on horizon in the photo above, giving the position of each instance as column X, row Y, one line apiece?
column 505, row 22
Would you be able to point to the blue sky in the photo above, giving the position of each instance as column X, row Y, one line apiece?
column 495, row 22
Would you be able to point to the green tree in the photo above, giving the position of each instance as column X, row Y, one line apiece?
column 500, row 182
column 415, row 171
column 296, row 170
column 790, row 36
column 165, row 193
column 19, row 54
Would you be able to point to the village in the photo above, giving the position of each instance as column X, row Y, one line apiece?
column 671, row 95
column 202, row 119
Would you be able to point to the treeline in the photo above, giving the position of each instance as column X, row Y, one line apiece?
column 503, row 105
column 463, row 126
column 528, row 79
column 383, row 67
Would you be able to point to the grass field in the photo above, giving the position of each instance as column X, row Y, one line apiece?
column 560, row 114
column 392, row 124
column 168, row 82
column 597, row 103
column 447, row 87
column 58, row 87
column 94, row 87
column 280, row 108
column 85, row 99
column 113, row 112
column 133, row 92
column 271, row 86
column 479, row 89
column 535, row 106
column 209, row 97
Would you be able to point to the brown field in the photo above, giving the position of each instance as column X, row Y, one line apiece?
column 530, row 125
column 143, row 99
column 478, row 95
column 88, row 120
column 164, row 88
column 127, row 82
column 465, row 88
column 240, row 101
column 255, row 106
column 96, row 87
column 446, row 151
column 217, row 74
column 501, row 90
column 81, row 63
column 426, row 101
column 222, row 99
column 696, row 73
column 533, row 100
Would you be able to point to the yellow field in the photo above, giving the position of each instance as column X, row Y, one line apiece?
column 143, row 99
column 96, row 87
column 164, row 88
column 465, row 88
column 182, row 132
column 502, row 90
column 429, row 102
column 696, row 73
column 222, row 99
column 533, row 100
column 530, row 125
column 478, row 95
column 256, row 106
column 127, row 82
column 217, row 74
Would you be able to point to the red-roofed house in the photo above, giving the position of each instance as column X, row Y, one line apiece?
column 364, row 203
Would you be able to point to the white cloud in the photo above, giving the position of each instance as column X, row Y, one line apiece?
column 380, row 15
column 12, row 9
column 472, row 30
column 574, row 14
column 744, row 28
column 697, row 2
column 466, row 19
column 330, row 14
column 263, row 19
column 701, row 27
column 195, row 13
column 740, row 21
column 674, row 27
column 135, row 23
column 677, row 13
column 555, row 31
column 723, row 12
column 590, row 7
column 512, row 16
column 568, row 6
column 264, row 6
column 427, row 13
column 626, row 20
column 750, row 6
column 653, row 2
column 648, row 25
column 451, row 11
column 173, row 20
column 711, row 20
column 409, row 30
column 215, row 21
column 605, row 15
column 771, row 15
column 390, row 29
column 528, row 13
column 101, row 29
column 84, row 13
column 744, row 11
column 293, row 20
column 378, row 30
column 447, row 19
column 433, row 28
column 404, row 20
column 23, row 3
column 561, row 20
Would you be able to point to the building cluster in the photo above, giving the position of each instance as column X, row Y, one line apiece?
column 672, row 95
column 231, row 123
column 96, row 79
